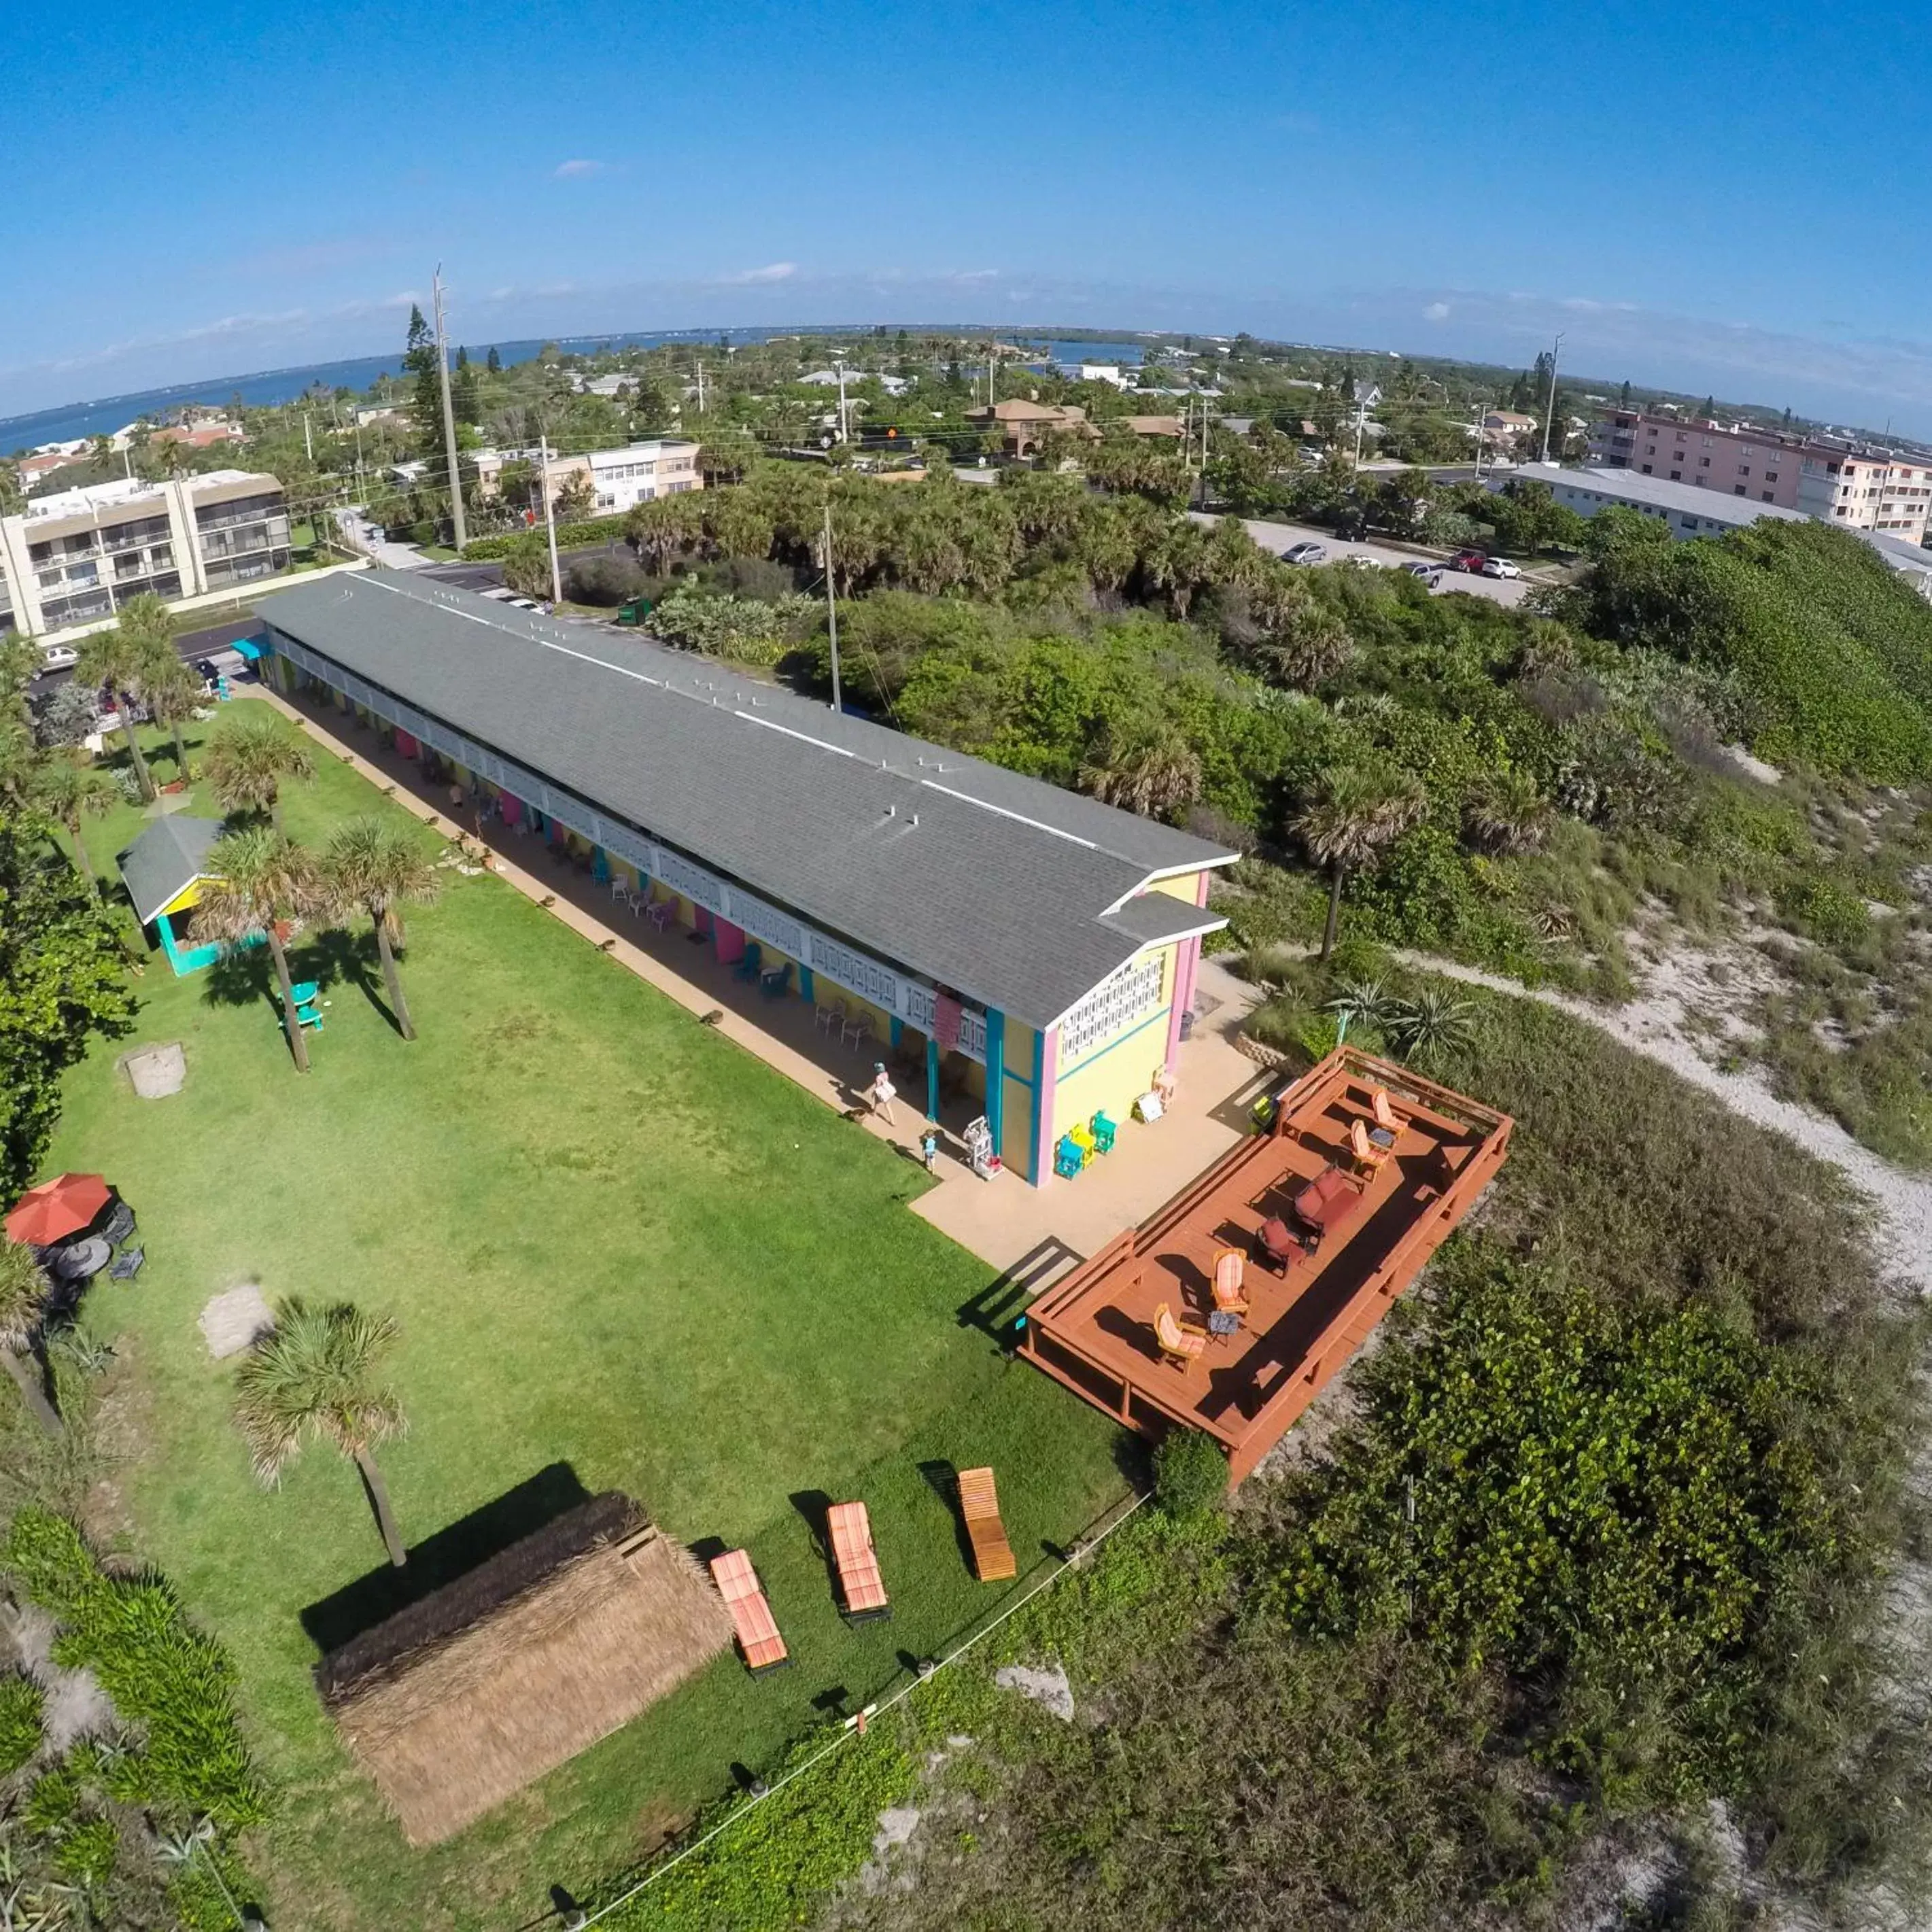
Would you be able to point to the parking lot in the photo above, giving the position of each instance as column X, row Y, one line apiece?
column 1280, row 537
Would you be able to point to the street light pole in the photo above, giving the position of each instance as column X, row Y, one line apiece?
column 448, row 417
column 832, row 614
column 1550, row 410
column 550, row 521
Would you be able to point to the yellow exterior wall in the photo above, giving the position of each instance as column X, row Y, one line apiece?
column 1114, row 1072
column 1184, row 886
column 1017, row 1121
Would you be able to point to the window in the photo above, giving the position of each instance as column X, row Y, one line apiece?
column 1744, row 468
column 1646, row 469
column 1703, row 463
column 1765, row 494
column 1771, row 475
column 1737, row 489
column 1677, row 476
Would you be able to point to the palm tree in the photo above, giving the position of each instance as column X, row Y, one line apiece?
column 313, row 1377
column 261, row 881
column 67, row 788
column 1146, row 766
column 377, row 866
column 121, row 661
column 249, row 756
column 23, row 1291
column 1357, row 813
column 173, row 692
column 1505, row 813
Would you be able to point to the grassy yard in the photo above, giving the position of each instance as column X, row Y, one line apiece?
column 623, row 1253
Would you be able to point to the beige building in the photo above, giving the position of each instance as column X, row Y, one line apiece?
column 1885, row 490
column 1023, row 426
column 77, row 556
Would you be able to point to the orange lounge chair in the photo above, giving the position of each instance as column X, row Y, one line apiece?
column 1178, row 1341
column 859, row 1583
column 751, row 1615
column 1228, row 1295
column 1385, row 1115
column 1367, row 1154
column 980, row 1505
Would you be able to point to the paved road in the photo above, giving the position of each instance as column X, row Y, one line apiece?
column 361, row 534
column 1277, row 538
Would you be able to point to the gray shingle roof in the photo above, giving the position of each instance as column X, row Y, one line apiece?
column 171, row 853
column 996, row 884
column 1154, row 918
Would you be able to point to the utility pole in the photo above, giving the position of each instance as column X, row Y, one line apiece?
column 449, row 417
column 1480, row 407
column 990, row 397
column 700, row 361
column 1549, row 411
column 550, row 521
column 832, row 614
column 844, row 430
column 308, row 441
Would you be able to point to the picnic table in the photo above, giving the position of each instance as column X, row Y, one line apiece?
column 80, row 1261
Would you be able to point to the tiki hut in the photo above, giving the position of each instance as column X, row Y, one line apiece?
column 464, row 1697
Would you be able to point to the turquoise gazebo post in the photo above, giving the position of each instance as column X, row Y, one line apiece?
column 931, row 1077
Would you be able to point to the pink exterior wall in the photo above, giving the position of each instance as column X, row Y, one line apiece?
column 1730, row 462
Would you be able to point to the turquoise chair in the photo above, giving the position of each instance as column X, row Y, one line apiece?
column 1103, row 1130
column 1068, row 1158
column 750, row 964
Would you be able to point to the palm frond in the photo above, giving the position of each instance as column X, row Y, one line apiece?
column 313, row 1376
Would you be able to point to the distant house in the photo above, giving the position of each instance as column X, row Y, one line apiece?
column 828, row 379
column 369, row 413
column 1503, row 429
column 1025, row 426
column 1167, row 426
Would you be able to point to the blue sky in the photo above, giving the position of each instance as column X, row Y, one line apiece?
column 1724, row 198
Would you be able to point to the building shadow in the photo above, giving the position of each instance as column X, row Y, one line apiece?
column 991, row 1311
column 450, row 1553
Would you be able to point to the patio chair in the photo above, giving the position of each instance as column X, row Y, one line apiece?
column 751, row 1616
column 1275, row 1247
column 829, row 1017
column 1104, row 1131
column 1228, row 1295
column 663, row 914
column 1385, row 1115
column 850, row 1530
column 775, row 982
column 1081, row 1135
column 750, row 963
column 1180, row 1341
column 619, row 891
column 1368, row 1156
column 119, row 1225
column 855, row 1029
column 979, row 1508
column 126, row 1264
column 1067, row 1159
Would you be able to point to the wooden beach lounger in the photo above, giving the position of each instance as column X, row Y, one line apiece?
column 751, row 1615
column 980, row 1505
column 859, row 1583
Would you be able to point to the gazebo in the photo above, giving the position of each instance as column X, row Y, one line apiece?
column 165, row 870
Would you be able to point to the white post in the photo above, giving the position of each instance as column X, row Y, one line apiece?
column 448, row 418
column 1550, row 409
column 845, row 432
column 550, row 522
column 831, row 613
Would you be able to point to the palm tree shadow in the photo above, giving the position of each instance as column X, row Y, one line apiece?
column 339, row 957
column 242, row 976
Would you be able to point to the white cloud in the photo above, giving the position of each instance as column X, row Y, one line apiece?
column 1436, row 312
column 572, row 170
column 773, row 271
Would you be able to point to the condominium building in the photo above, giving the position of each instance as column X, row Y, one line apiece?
column 1740, row 461
column 619, row 479
column 1889, row 491
column 78, row 555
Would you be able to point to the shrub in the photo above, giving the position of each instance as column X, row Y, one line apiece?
column 161, row 1672
column 21, row 1707
column 1823, row 910
column 1190, row 1473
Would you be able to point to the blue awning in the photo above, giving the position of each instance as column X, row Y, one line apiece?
column 249, row 649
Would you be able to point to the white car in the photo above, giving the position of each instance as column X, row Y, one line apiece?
column 1499, row 566
column 58, row 657
column 1356, row 561
column 1305, row 552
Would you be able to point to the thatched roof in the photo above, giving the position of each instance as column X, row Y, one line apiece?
column 465, row 1697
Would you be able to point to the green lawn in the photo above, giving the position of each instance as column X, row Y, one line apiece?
column 614, row 1241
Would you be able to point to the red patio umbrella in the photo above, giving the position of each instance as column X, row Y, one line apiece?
column 57, row 1207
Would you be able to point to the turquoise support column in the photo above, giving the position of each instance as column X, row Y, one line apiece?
column 996, row 1074
column 895, row 1029
column 932, row 1078
column 805, row 985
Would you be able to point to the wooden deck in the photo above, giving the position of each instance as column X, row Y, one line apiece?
column 1093, row 1330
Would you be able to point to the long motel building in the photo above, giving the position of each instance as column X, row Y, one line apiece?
column 1041, row 948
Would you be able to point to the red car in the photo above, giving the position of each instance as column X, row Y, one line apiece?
column 1471, row 560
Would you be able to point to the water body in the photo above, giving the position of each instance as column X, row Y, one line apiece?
column 110, row 413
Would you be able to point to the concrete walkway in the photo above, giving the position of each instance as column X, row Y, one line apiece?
column 1004, row 1221
column 360, row 534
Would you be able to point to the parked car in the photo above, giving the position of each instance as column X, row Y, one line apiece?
column 58, row 657
column 1499, row 566
column 1355, row 561
column 1305, row 552
column 1428, row 572
column 1471, row 560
